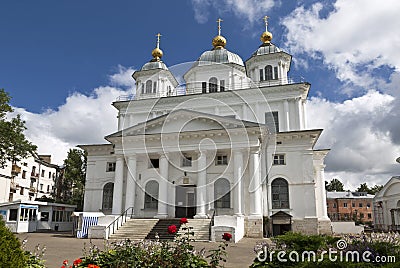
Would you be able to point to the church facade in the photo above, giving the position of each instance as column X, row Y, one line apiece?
column 230, row 144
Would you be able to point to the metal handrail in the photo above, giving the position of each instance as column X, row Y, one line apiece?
column 112, row 224
column 211, row 225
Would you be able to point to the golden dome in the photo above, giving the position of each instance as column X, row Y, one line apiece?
column 266, row 37
column 219, row 42
column 157, row 53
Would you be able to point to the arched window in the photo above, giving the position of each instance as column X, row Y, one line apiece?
column 148, row 86
column 268, row 72
column 108, row 191
column 280, row 193
column 151, row 195
column 212, row 84
column 222, row 193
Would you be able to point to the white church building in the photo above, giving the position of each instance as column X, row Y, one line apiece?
column 230, row 144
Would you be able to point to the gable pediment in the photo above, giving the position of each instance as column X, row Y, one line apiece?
column 184, row 121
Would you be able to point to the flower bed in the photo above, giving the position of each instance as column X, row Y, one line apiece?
column 298, row 250
column 147, row 253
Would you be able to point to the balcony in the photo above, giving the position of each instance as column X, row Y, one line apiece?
column 15, row 169
column 32, row 189
column 34, row 175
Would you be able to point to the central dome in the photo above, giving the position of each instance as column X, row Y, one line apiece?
column 221, row 55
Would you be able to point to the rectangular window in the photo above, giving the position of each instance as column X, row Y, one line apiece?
column 345, row 205
column 369, row 215
column 48, row 188
column 221, row 160
column 361, row 215
column 21, row 191
column 110, row 167
column 41, row 187
column 204, row 87
column 43, row 173
column 12, row 215
column 272, row 121
column 360, row 205
column 261, row 74
column 279, row 159
column 142, row 88
column 368, row 205
column 154, row 163
column 353, row 205
column 49, row 174
column 186, row 161
column 222, row 85
column 334, row 205
column 276, row 73
column 24, row 174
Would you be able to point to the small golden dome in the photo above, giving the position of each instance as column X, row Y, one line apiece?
column 157, row 53
column 219, row 42
column 266, row 37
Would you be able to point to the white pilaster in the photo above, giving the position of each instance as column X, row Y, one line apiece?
column 118, row 186
column 237, row 176
column 130, row 194
column 286, row 115
column 321, row 178
column 163, row 188
column 201, row 191
column 255, row 189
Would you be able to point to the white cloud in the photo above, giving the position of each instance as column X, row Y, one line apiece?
column 355, row 39
column 81, row 119
column 251, row 10
column 360, row 150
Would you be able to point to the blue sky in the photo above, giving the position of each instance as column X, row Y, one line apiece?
column 63, row 60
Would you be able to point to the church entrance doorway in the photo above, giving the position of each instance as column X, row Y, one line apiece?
column 185, row 201
column 281, row 223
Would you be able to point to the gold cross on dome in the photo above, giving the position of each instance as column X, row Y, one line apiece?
column 219, row 26
column 158, row 39
column 266, row 22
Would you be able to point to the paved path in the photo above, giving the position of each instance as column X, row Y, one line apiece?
column 61, row 246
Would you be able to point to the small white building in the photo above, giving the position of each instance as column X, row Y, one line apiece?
column 31, row 178
column 31, row 216
column 234, row 145
column 387, row 206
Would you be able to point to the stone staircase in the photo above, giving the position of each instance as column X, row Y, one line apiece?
column 134, row 229
column 201, row 229
column 161, row 228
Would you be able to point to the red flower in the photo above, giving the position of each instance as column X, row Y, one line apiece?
column 77, row 262
column 184, row 221
column 172, row 229
column 93, row 266
column 65, row 262
column 227, row 236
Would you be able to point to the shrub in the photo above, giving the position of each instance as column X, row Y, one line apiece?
column 11, row 254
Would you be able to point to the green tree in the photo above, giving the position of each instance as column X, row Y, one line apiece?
column 13, row 144
column 375, row 189
column 73, row 183
column 11, row 254
column 363, row 188
column 334, row 185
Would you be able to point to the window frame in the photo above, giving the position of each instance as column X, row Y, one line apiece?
column 279, row 159
column 221, row 160
column 111, row 166
column 280, row 194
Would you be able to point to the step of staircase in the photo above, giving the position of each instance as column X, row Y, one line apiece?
column 201, row 229
column 134, row 229
column 161, row 229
